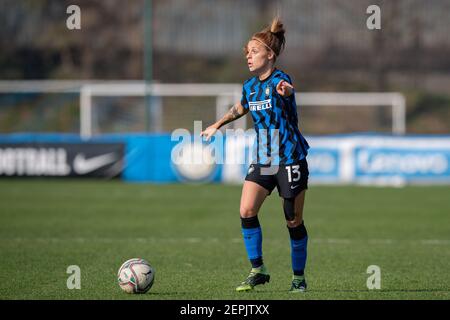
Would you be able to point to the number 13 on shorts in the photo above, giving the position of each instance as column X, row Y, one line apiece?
column 293, row 173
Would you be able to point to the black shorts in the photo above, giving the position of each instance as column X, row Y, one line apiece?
column 290, row 179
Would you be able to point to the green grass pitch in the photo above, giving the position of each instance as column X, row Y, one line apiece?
column 191, row 235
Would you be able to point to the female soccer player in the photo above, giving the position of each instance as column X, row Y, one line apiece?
column 269, row 97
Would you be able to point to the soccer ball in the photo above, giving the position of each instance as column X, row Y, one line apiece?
column 136, row 276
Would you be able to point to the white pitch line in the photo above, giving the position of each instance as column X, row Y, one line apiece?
column 332, row 241
column 435, row 241
column 197, row 240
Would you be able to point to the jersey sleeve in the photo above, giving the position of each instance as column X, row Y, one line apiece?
column 282, row 77
column 244, row 101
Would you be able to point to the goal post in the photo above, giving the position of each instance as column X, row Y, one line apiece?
column 394, row 100
column 227, row 94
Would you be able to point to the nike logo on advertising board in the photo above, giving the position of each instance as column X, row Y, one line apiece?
column 81, row 165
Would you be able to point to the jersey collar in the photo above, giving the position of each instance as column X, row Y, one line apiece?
column 270, row 76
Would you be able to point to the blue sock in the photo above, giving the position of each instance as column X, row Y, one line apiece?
column 251, row 231
column 298, row 255
column 299, row 242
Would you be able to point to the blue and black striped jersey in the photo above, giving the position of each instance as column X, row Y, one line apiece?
column 279, row 140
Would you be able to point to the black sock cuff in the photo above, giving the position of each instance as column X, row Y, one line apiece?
column 299, row 273
column 298, row 233
column 256, row 263
column 250, row 223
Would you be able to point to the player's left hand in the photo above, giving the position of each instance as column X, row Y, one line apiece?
column 284, row 88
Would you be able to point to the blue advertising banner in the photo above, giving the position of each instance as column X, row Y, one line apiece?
column 145, row 158
column 407, row 163
column 324, row 163
column 161, row 158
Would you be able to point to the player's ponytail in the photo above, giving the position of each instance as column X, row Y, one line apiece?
column 272, row 36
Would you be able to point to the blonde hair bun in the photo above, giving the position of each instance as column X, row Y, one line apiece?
column 276, row 27
column 272, row 36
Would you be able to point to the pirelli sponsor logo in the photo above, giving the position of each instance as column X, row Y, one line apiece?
column 260, row 105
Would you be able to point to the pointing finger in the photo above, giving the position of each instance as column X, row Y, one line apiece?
column 287, row 84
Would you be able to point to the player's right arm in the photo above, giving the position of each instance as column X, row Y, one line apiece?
column 234, row 113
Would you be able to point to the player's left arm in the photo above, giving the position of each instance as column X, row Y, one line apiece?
column 285, row 89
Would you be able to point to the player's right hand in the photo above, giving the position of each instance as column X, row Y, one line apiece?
column 209, row 132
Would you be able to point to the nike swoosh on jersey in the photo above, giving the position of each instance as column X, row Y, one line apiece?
column 293, row 187
column 252, row 93
column 81, row 165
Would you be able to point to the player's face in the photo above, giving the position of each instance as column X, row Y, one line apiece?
column 258, row 56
